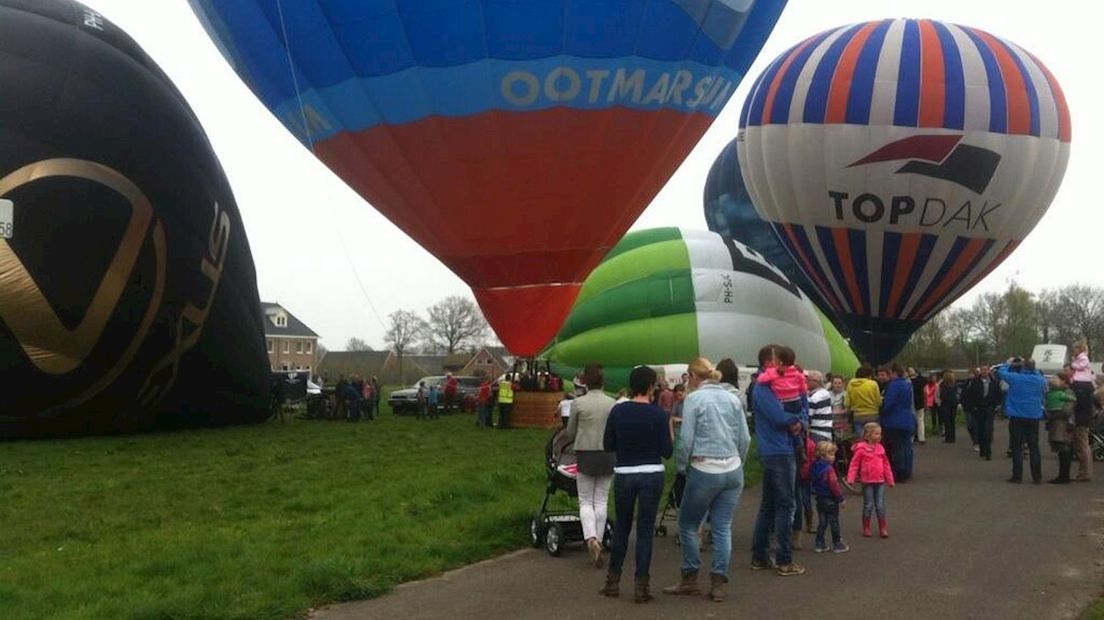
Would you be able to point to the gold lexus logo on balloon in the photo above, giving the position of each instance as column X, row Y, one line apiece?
column 49, row 344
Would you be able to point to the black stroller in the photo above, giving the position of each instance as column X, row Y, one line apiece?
column 554, row 528
column 671, row 509
column 671, row 506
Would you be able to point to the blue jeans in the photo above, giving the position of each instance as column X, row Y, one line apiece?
column 874, row 500
column 776, row 509
column 484, row 418
column 635, row 491
column 898, row 445
column 718, row 495
column 827, row 516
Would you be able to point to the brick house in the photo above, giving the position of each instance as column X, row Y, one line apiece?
column 489, row 362
column 291, row 344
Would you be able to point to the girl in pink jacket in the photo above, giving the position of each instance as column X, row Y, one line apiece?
column 870, row 466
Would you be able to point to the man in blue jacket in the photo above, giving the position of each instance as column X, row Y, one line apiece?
column 774, row 438
column 1023, row 405
column 898, row 423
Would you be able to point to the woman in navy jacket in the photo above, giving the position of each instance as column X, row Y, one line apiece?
column 898, row 423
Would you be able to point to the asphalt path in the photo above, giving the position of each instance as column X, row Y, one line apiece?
column 963, row 544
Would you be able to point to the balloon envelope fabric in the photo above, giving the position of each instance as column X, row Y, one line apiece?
column 128, row 297
column 516, row 140
column 730, row 213
column 668, row 295
column 900, row 161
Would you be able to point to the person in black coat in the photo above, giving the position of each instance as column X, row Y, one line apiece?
column 948, row 405
column 981, row 399
column 919, row 403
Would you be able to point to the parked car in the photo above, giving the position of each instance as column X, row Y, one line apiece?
column 406, row 399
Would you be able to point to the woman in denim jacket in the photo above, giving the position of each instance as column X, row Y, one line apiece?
column 712, row 448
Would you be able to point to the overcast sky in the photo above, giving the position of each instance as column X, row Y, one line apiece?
column 313, row 238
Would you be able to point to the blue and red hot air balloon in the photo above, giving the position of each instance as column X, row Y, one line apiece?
column 515, row 140
column 900, row 161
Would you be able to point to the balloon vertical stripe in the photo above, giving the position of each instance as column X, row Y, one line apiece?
column 1065, row 128
column 775, row 106
column 907, row 105
column 816, row 101
column 916, row 271
column 1028, row 88
column 1016, row 86
column 863, row 79
column 843, row 79
column 797, row 241
column 759, row 105
column 954, row 81
column 998, row 108
column 971, row 251
column 932, row 87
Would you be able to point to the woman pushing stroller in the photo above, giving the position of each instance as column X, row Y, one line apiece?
column 587, row 426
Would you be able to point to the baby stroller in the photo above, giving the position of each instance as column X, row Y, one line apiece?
column 554, row 528
column 671, row 506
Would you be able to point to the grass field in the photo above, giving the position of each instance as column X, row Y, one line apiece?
column 255, row 522
column 259, row 521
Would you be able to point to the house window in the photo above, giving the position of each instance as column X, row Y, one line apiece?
column 307, row 368
column 299, row 347
column 287, row 346
column 310, row 346
column 269, row 341
column 286, row 366
column 281, row 320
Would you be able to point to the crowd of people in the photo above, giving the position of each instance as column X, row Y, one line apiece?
column 813, row 432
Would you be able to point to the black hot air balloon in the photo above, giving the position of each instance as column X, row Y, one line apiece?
column 128, row 297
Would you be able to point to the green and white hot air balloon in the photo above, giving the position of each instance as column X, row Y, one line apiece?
column 667, row 295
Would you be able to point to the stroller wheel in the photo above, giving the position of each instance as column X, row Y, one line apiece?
column 661, row 531
column 1097, row 447
column 553, row 539
column 536, row 531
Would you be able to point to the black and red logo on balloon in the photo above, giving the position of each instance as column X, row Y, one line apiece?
column 940, row 157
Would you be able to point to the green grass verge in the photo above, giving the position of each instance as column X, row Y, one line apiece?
column 260, row 521
column 1095, row 611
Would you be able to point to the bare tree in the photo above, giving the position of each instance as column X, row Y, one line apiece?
column 356, row 344
column 405, row 330
column 455, row 323
column 1078, row 313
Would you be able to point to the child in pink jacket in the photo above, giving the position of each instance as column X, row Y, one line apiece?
column 870, row 466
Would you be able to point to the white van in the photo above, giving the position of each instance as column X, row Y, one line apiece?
column 1049, row 358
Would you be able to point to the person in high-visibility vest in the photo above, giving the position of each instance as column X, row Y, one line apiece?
column 505, row 400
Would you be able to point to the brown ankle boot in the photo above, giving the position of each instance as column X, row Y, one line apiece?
column 613, row 585
column 688, row 584
column 642, row 594
column 717, row 587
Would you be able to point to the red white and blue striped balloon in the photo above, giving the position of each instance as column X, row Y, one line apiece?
column 899, row 162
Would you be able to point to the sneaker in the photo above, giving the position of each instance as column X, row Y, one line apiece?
column 820, row 548
column 840, row 547
column 760, row 565
column 791, row 569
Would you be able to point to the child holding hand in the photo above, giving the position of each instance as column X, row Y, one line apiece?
column 870, row 466
column 829, row 498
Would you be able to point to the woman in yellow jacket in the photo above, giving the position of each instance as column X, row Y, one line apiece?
column 864, row 397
